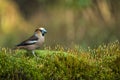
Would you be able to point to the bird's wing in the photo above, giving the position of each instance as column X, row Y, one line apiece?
column 32, row 40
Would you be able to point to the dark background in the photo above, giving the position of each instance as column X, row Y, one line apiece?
column 68, row 22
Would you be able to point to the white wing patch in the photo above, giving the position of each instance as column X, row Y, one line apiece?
column 31, row 42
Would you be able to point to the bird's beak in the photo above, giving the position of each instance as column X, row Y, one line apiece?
column 45, row 31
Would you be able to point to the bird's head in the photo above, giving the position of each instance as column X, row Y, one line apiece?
column 41, row 30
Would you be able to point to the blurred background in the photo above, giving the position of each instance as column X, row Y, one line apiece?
column 68, row 22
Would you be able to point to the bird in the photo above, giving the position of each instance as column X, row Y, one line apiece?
column 35, row 41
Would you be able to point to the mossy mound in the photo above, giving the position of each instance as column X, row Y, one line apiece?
column 102, row 63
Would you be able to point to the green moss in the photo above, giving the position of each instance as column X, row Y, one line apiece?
column 102, row 63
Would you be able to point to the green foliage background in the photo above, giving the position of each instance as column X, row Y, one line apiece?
column 68, row 22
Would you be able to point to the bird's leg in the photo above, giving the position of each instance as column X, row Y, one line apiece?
column 33, row 53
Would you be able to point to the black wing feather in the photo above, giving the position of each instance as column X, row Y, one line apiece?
column 32, row 38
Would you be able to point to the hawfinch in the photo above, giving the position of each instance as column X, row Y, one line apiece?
column 34, row 41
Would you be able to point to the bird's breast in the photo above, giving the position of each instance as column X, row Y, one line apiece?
column 40, row 41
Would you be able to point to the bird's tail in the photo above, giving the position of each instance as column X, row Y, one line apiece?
column 16, row 47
